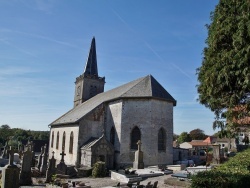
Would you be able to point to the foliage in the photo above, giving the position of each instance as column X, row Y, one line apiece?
column 197, row 134
column 233, row 173
column 175, row 137
column 184, row 137
column 14, row 135
column 224, row 76
column 99, row 169
column 5, row 132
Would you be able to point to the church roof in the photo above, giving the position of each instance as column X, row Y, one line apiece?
column 91, row 64
column 91, row 142
column 145, row 87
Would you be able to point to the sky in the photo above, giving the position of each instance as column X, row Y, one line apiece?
column 44, row 46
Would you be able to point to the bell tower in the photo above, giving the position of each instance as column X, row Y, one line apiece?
column 89, row 83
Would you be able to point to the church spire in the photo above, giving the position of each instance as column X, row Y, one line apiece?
column 91, row 64
column 89, row 83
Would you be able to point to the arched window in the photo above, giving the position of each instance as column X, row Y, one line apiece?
column 161, row 140
column 63, row 141
column 71, row 142
column 135, row 136
column 112, row 135
column 57, row 140
column 52, row 140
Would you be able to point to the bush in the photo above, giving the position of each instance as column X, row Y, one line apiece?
column 214, row 178
column 233, row 173
column 99, row 169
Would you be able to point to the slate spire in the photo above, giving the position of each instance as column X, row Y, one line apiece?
column 91, row 64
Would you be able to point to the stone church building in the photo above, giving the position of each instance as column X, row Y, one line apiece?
column 107, row 125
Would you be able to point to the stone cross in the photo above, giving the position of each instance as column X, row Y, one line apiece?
column 11, row 156
column 138, row 163
column 51, row 170
column 44, row 160
column 62, row 154
column 40, row 158
column 10, row 173
column 139, row 145
column 25, row 175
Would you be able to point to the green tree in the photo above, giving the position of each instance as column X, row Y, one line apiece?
column 5, row 132
column 184, row 137
column 197, row 134
column 175, row 137
column 224, row 76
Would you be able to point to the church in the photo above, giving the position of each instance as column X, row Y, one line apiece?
column 107, row 125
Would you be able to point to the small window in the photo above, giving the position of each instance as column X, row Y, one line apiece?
column 112, row 135
column 57, row 140
column 63, row 141
column 71, row 142
column 161, row 140
column 52, row 140
column 135, row 137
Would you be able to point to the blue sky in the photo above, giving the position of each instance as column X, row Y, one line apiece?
column 44, row 45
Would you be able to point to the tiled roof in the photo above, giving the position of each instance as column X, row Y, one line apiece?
column 91, row 142
column 209, row 139
column 145, row 87
column 199, row 143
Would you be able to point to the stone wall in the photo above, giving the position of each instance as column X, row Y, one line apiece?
column 149, row 115
column 70, row 158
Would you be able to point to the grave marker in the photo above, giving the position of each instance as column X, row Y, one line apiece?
column 138, row 163
column 25, row 176
column 10, row 173
column 51, row 168
column 44, row 161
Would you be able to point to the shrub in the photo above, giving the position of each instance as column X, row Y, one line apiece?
column 99, row 169
column 233, row 173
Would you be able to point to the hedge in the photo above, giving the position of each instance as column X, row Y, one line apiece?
column 233, row 173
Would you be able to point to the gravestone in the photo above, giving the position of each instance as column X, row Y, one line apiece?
column 40, row 158
column 216, row 154
column 138, row 163
column 5, row 152
column 44, row 161
column 16, row 158
column 62, row 167
column 32, row 146
column 10, row 173
column 25, row 175
column 51, row 168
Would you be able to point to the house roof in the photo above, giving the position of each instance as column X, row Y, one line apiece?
column 209, row 139
column 198, row 143
column 145, row 87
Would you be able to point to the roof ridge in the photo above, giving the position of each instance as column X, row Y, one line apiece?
column 142, row 78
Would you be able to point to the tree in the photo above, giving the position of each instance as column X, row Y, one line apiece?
column 175, row 137
column 197, row 134
column 184, row 137
column 5, row 132
column 224, row 76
